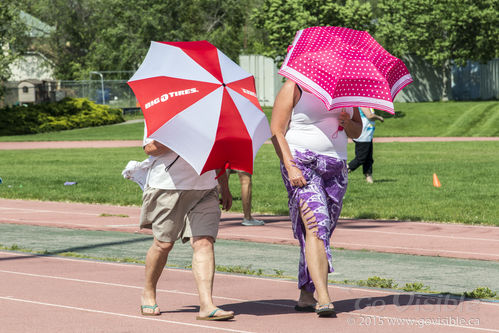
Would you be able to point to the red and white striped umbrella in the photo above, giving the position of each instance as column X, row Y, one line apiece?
column 345, row 67
column 202, row 105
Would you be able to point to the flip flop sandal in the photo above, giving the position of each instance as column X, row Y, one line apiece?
column 152, row 307
column 325, row 311
column 212, row 316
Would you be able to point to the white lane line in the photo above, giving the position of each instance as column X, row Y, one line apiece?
column 245, row 235
column 384, row 318
column 255, row 236
column 221, row 235
column 49, row 223
column 68, row 212
column 419, row 235
column 222, row 232
column 46, row 223
column 137, row 287
column 119, row 314
column 123, row 225
column 365, row 246
column 348, row 288
column 48, row 211
column 89, row 261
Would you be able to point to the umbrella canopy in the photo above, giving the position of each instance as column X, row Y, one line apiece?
column 202, row 105
column 345, row 67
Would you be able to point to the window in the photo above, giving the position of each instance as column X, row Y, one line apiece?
column 25, row 90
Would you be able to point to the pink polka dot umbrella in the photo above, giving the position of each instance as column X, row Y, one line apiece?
column 345, row 68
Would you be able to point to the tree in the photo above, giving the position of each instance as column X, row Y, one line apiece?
column 281, row 19
column 75, row 30
column 123, row 44
column 114, row 35
column 12, row 40
column 443, row 32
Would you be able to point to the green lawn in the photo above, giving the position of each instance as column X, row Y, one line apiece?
column 403, row 189
column 134, row 131
column 411, row 119
column 403, row 186
column 441, row 119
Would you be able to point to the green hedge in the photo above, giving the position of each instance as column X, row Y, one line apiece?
column 67, row 114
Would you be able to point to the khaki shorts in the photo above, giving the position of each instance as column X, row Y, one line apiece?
column 180, row 214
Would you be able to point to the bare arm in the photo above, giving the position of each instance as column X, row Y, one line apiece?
column 281, row 115
column 353, row 126
column 371, row 115
column 223, row 181
column 155, row 149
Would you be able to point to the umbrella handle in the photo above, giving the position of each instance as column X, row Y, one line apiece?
column 170, row 165
column 222, row 171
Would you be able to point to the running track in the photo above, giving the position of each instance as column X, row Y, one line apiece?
column 435, row 239
column 138, row 143
column 53, row 294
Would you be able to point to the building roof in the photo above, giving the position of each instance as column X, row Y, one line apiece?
column 36, row 28
column 32, row 81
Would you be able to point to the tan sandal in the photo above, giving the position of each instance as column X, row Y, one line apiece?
column 325, row 310
column 212, row 316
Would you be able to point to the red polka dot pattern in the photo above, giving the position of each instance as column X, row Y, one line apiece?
column 350, row 67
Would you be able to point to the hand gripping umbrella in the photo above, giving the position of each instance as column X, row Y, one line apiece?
column 345, row 67
column 202, row 105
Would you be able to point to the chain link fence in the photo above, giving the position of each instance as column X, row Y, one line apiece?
column 473, row 82
column 115, row 93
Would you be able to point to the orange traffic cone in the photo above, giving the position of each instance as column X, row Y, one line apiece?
column 436, row 182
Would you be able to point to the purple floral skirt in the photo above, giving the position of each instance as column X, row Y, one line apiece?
column 327, row 180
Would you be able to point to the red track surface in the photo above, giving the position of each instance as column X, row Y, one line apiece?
column 51, row 294
column 435, row 239
column 137, row 143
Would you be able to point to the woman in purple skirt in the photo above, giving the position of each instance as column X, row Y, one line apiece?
column 311, row 143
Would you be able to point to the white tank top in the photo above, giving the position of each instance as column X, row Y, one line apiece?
column 315, row 128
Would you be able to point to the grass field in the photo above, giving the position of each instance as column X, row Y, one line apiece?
column 403, row 186
column 441, row 119
column 403, row 189
column 411, row 119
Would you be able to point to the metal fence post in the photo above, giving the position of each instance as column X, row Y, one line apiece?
column 102, row 84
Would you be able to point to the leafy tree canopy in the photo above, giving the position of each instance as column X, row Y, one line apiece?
column 440, row 30
column 12, row 39
column 75, row 30
column 281, row 19
column 115, row 35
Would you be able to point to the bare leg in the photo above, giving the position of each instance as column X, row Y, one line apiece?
column 156, row 258
column 306, row 298
column 246, row 187
column 203, row 268
column 315, row 254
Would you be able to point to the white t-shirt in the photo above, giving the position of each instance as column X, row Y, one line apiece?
column 315, row 128
column 180, row 176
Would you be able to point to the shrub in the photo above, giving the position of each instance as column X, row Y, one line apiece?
column 377, row 282
column 415, row 286
column 480, row 292
column 67, row 114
